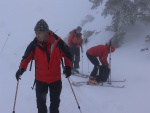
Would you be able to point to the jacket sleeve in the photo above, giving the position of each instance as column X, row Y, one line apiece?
column 66, row 53
column 28, row 55
column 70, row 39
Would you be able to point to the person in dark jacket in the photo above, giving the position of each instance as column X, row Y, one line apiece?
column 75, row 43
column 100, row 51
column 47, row 49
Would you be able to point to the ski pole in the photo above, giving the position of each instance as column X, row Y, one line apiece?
column 87, row 58
column 56, row 30
column 109, row 81
column 5, row 42
column 82, row 57
column 15, row 97
column 82, row 63
column 74, row 95
column 88, row 66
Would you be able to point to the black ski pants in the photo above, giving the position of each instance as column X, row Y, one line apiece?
column 41, row 92
column 95, row 62
column 76, row 57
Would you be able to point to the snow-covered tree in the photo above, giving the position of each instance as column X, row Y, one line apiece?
column 143, row 10
column 86, row 35
column 117, row 39
column 96, row 3
column 123, row 13
column 89, row 18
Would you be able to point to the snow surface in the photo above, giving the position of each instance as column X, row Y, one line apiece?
column 19, row 18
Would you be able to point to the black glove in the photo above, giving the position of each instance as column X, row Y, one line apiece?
column 19, row 73
column 105, row 66
column 67, row 71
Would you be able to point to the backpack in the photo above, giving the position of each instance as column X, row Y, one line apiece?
column 103, row 74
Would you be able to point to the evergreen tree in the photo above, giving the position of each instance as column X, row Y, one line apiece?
column 117, row 39
column 143, row 10
column 89, row 18
column 86, row 35
column 123, row 13
column 96, row 3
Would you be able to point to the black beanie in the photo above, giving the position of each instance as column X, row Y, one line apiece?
column 41, row 26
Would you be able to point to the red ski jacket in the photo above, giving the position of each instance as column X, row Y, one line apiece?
column 102, row 52
column 47, row 58
column 75, row 40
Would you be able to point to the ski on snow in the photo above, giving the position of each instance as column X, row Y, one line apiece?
column 101, row 84
column 111, row 85
column 124, row 80
column 80, row 75
column 84, row 82
column 86, row 76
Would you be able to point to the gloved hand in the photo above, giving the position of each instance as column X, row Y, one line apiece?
column 105, row 66
column 67, row 71
column 19, row 73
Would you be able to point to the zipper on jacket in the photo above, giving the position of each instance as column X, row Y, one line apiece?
column 47, row 55
column 48, row 66
column 44, row 49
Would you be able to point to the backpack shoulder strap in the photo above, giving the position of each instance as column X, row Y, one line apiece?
column 33, row 43
column 64, row 48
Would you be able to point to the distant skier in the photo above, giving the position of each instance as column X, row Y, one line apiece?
column 46, row 49
column 102, row 52
column 75, row 43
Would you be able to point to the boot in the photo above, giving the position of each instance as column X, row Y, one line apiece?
column 92, row 80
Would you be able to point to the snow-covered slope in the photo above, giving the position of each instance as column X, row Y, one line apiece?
column 19, row 18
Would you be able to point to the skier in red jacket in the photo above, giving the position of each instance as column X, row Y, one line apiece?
column 100, row 51
column 47, row 49
column 75, row 43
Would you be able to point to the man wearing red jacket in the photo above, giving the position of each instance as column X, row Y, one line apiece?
column 75, row 43
column 100, row 51
column 46, row 49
